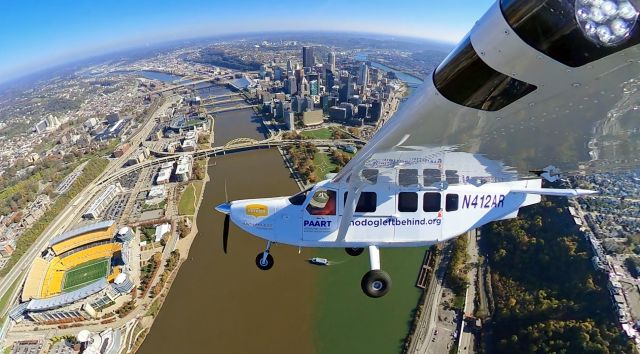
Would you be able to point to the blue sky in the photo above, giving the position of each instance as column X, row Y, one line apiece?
column 39, row 34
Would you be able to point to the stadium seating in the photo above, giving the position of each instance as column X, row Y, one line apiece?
column 83, row 239
column 36, row 276
column 54, row 278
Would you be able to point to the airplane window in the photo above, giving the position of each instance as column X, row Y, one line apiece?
column 299, row 198
column 451, row 202
column 551, row 28
column 407, row 177
column 367, row 202
column 430, row 176
column 407, row 202
column 323, row 202
column 370, row 175
column 465, row 79
column 452, row 176
column 431, row 202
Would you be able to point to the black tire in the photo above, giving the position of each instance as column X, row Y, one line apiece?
column 264, row 266
column 354, row 251
column 376, row 283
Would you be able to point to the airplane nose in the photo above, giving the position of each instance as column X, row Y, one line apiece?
column 224, row 208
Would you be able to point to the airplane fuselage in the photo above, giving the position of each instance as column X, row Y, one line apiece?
column 385, row 216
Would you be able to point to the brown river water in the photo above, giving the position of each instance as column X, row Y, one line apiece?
column 223, row 303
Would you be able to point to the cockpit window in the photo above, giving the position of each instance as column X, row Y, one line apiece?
column 465, row 79
column 299, row 198
column 323, row 202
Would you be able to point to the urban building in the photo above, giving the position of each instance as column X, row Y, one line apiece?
column 363, row 110
column 183, row 170
column 314, row 88
column 290, row 120
column 363, row 74
column 331, row 59
column 138, row 156
column 101, row 203
column 121, row 150
column 311, row 118
column 376, row 110
column 337, row 114
column 189, row 145
column 161, row 230
column 113, row 117
column 348, row 109
column 308, row 58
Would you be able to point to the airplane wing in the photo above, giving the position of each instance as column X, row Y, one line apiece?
column 535, row 82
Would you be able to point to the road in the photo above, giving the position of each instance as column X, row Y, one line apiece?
column 440, row 325
column 77, row 205
column 424, row 333
column 466, row 337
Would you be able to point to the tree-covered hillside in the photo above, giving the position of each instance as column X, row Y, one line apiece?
column 548, row 298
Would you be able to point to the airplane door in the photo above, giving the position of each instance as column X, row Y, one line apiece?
column 319, row 219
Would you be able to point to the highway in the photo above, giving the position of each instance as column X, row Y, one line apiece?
column 77, row 206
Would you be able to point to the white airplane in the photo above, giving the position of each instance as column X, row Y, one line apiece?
column 399, row 192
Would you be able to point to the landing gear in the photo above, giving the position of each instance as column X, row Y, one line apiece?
column 376, row 282
column 264, row 260
column 354, row 251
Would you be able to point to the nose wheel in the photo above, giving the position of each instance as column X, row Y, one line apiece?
column 376, row 282
column 264, row 260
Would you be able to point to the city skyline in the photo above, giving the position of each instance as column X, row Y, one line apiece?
column 54, row 34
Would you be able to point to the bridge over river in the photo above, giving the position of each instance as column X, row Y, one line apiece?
column 233, row 146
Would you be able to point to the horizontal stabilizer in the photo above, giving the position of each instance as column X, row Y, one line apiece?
column 554, row 191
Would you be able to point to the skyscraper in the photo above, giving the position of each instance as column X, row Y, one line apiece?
column 332, row 60
column 314, row 88
column 363, row 75
column 304, row 87
column 308, row 59
column 289, row 68
column 329, row 79
column 345, row 87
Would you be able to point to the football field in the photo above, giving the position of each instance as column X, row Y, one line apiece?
column 85, row 273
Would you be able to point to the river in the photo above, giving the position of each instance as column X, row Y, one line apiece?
column 410, row 80
column 223, row 304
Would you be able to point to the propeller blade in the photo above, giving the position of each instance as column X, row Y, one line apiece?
column 226, row 195
column 225, row 234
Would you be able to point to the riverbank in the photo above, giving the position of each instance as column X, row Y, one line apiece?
column 183, row 246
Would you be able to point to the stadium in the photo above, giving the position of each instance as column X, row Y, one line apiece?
column 80, row 273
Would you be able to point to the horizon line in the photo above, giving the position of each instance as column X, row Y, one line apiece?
column 6, row 84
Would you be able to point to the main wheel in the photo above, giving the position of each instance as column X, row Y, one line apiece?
column 354, row 251
column 376, row 283
column 266, row 264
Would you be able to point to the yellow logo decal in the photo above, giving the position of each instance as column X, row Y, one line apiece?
column 257, row 210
